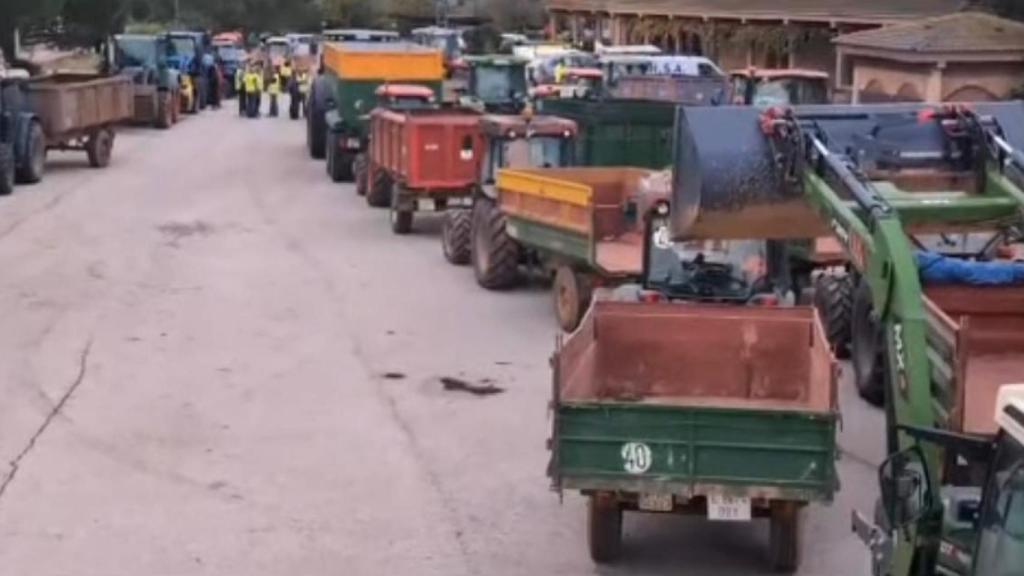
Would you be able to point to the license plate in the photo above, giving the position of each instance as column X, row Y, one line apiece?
column 728, row 508
column 655, row 502
column 352, row 143
column 425, row 205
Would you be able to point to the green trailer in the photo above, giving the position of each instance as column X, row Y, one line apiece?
column 344, row 94
column 618, row 132
column 726, row 412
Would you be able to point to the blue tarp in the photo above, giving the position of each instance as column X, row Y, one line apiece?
column 938, row 269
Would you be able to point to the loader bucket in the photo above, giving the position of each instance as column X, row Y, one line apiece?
column 728, row 183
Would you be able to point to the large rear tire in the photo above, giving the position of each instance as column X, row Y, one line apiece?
column 6, row 169
column 572, row 292
column 867, row 348
column 457, row 236
column 495, row 254
column 34, row 166
column 604, row 529
column 833, row 297
column 784, row 540
column 379, row 193
column 339, row 165
column 100, row 148
column 316, row 120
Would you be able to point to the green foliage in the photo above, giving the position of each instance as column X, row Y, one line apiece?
column 351, row 13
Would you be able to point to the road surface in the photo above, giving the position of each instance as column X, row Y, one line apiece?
column 214, row 361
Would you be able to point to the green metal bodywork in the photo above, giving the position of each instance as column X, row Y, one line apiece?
column 353, row 101
column 619, row 132
column 771, row 454
column 919, row 363
column 570, row 247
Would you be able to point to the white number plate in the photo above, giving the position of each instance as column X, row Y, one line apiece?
column 352, row 143
column 728, row 508
column 425, row 205
column 655, row 502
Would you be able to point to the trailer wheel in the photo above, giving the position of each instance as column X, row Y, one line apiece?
column 99, row 148
column 379, row 193
column 164, row 114
column 401, row 218
column 833, row 297
column 339, row 168
column 784, row 541
column 867, row 347
column 571, row 293
column 495, row 254
column 176, row 107
column 35, row 165
column 604, row 529
column 359, row 166
column 6, row 169
column 457, row 236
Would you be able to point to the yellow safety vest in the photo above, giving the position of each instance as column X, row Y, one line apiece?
column 253, row 82
column 275, row 84
column 303, row 80
column 286, row 71
column 239, row 79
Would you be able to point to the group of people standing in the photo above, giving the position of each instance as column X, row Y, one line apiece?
column 258, row 78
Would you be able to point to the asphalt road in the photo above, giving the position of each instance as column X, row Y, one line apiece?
column 195, row 347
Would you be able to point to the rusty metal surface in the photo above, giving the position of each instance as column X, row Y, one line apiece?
column 74, row 104
column 688, row 354
column 427, row 150
column 988, row 328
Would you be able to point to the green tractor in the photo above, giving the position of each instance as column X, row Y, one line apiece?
column 945, row 333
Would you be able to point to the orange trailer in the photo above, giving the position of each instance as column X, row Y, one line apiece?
column 422, row 159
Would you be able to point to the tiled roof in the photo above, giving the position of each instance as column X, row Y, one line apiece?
column 817, row 10
column 963, row 32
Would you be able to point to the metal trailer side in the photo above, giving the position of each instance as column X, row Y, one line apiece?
column 79, row 112
column 721, row 411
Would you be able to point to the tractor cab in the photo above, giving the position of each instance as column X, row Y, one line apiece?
column 525, row 142
column 497, row 84
column 145, row 59
column 405, row 97
column 779, row 87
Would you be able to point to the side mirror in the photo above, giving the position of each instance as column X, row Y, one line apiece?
column 905, row 487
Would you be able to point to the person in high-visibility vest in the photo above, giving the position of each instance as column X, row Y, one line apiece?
column 274, row 90
column 286, row 71
column 253, row 90
column 305, row 81
column 240, row 89
column 297, row 89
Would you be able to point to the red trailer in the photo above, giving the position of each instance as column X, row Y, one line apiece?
column 422, row 159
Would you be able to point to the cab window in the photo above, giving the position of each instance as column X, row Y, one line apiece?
column 1001, row 544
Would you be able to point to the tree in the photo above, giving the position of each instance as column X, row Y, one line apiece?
column 351, row 13
column 90, row 22
column 17, row 13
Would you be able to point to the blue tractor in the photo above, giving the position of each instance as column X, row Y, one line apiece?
column 189, row 54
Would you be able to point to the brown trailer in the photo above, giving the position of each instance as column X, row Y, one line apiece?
column 79, row 111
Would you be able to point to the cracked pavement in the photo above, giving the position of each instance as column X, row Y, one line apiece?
column 214, row 361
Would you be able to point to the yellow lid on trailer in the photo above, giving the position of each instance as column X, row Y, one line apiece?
column 388, row 62
column 1010, row 410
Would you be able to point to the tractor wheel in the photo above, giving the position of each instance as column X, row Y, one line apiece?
column 833, row 297
column 359, row 166
column 100, row 147
column 6, row 169
column 457, row 236
column 339, row 168
column 495, row 254
column 316, row 120
column 572, row 293
column 604, row 529
column 379, row 193
column 164, row 113
column 867, row 348
column 35, row 165
column 401, row 218
column 176, row 107
column 784, row 540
